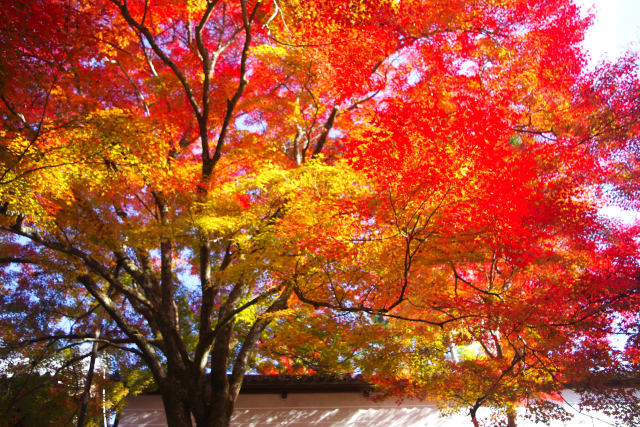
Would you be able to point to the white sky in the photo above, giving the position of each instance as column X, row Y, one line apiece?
column 615, row 30
column 616, row 27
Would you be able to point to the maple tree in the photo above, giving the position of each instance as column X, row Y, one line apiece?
column 199, row 186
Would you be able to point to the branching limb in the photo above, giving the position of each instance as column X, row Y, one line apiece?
column 141, row 29
column 148, row 351
column 250, row 340
column 247, row 19
column 325, row 134
column 378, row 311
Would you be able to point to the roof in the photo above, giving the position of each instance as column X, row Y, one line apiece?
column 304, row 384
column 283, row 384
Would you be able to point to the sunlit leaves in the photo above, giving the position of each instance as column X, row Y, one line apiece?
column 419, row 181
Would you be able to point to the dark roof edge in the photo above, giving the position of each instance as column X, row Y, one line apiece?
column 303, row 384
column 282, row 384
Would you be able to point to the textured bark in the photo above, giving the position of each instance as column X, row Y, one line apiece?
column 511, row 418
column 472, row 414
column 88, row 382
column 92, row 364
column 176, row 409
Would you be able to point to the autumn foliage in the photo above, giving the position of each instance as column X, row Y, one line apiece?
column 407, row 189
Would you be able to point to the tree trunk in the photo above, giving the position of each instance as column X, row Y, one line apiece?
column 208, row 409
column 86, row 395
column 472, row 413
column 217, row 413
column 175, row 409
column 222, row 402
column 221, row 413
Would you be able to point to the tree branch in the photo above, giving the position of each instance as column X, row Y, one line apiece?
column 207, row 167
column 124, row 11
column 325, row 134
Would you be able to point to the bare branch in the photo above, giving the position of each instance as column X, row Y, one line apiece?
column 325, row 134
column 148, row 351
column 17, row 260
column 207, row 167
column 161, row 54
column 252, row 337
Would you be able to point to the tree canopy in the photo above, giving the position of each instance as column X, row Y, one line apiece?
column 408, row 189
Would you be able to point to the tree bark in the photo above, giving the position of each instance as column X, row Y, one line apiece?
column 222, row 410
column 511, row 418
column 200, row 408
column 176, row 409
column 87, row 386
column 92, row 364
column 472, row 414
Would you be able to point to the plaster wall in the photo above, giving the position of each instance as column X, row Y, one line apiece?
column 330, row 409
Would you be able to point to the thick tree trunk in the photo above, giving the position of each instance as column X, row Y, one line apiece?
column 222, row 410
column 222, row 402
column 211, row 397
column 216, row 414
column 472, row 414
column 176, row 410
column 199, row 408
